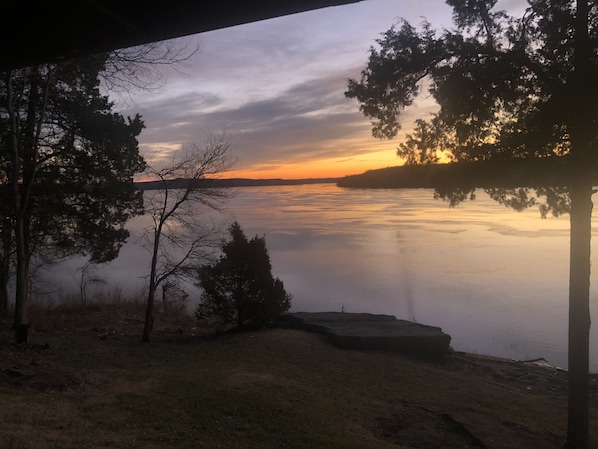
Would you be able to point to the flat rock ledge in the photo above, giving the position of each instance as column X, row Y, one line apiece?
column 369, row 331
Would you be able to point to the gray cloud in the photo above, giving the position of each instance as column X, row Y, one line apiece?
column 300, row 124
column 277, row 86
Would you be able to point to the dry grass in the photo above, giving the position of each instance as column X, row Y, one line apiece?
column 107, row 311
column 270, row 389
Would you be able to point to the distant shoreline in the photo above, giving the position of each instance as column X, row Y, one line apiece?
column 233, row 182
column 507, row 173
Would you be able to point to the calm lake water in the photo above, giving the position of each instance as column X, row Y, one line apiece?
column 493, row 279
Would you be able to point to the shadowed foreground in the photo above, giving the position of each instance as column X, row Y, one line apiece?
column 99, row 387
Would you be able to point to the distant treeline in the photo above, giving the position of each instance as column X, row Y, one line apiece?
column 530, row 172
column 231, row 182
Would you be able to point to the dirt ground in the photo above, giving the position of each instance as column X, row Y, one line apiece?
column 75, row 386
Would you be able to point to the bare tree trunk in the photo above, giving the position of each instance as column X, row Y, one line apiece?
column 165, row 288
column 149, row 310
column 581, row 234
column 579, row 315
column 3, row 296
column 22, row 280
column 20, row 316
column 5, row 266
column 23, row 259
column 21, row 199
column 149, row 315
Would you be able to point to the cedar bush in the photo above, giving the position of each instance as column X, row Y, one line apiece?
column 239, row 290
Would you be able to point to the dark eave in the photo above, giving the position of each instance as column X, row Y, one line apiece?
column 50, row 30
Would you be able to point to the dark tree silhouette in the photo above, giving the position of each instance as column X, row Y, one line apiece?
column 239, row 289
column 179, row 238
column 507, row 88
column 67, row 165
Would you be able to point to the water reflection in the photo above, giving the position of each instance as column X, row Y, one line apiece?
column 494, row 279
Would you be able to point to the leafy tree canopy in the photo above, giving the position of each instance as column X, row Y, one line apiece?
column 66, row 169
column 505, row 87
column 76, row 158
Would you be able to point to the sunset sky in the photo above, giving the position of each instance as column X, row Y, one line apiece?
column 276, row 87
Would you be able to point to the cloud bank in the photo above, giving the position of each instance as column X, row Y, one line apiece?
column 277, row 88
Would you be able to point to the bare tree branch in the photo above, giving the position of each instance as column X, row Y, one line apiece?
column 181, row 236
column 146, row 67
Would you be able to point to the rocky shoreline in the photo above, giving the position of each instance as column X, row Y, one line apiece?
column 533, row 376
column 384, row 332
column 363, row 331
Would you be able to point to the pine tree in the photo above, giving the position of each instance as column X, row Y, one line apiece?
column 67, row 163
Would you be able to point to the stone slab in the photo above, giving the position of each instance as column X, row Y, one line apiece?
column 369, row 331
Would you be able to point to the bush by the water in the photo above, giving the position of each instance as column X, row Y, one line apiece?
column 239, row 289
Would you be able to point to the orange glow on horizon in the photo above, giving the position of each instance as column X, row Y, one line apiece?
column 290, row 171
column 378, row 155
column 322, row 168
